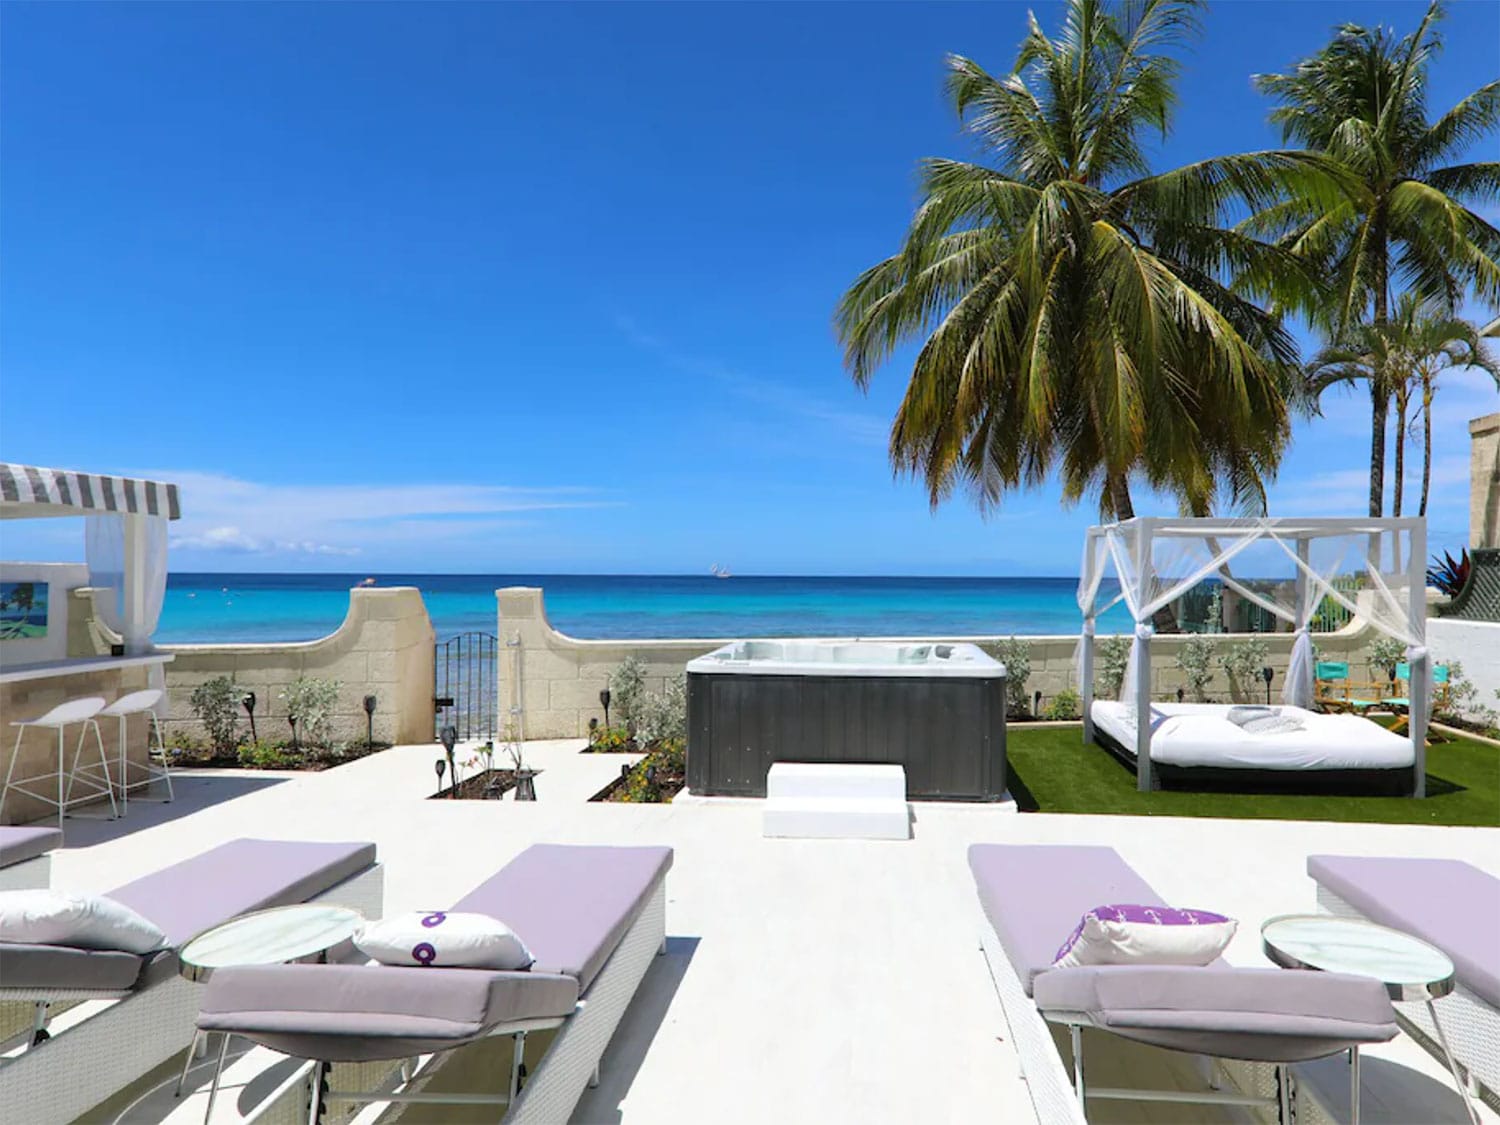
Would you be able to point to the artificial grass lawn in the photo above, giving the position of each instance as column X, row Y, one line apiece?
column 1051, row 770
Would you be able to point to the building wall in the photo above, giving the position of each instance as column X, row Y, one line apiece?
column 562, row 676
column 1474, row 644
column 1484, row 481
column 384, row 648
column 56, row 579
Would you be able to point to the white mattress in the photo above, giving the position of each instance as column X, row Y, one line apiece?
column 1199, row 734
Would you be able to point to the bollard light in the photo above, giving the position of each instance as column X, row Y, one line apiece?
column 604, row 702
column 248, row 702
column 370, row 722
column 438, row 767
column 449, row 738
column 1266, row 673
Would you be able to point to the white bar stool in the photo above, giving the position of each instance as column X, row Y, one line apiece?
column 80, row 711
column 138, row 703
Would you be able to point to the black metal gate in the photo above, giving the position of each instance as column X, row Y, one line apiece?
column 466, row 685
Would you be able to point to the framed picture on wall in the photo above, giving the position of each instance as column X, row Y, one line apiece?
column 23, row 610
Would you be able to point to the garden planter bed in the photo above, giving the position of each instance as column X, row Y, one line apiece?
column 486, row 785
column 265, row 756
column 654, row 780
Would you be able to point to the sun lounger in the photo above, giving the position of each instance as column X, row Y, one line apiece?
column 24, row 860
column 1032, row 897
column 593, row 917
column 1447, row 903
column 152, row 1016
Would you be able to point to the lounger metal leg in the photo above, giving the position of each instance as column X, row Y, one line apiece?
column 1354, row 1085
column 662, row 949
column 38, row 1024
column 316, row 1091
column 1284, row 1097
column 594, row 1077
column 213, row 1090
column 1458, row 1082
column 517, row 1055
column 1075, row 1033
column 187, row 1063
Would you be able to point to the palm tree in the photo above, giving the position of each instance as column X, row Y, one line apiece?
column 1403, row 356
column 1073, row 310
column 1361, row 100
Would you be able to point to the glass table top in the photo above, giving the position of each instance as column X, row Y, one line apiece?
column 1408, row 966
column 269, row 937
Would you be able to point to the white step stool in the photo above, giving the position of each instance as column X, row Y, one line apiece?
column 847, row 800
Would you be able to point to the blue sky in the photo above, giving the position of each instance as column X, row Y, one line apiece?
column 538, row 287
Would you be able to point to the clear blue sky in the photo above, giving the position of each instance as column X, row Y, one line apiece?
column 506, row 287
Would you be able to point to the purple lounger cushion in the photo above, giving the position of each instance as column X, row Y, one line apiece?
column 191, row 896
column 1265, row 1015
column 18, row 844
column 1034, row 894
column 1446, row 902
column 569, row 903
column 356, row 1013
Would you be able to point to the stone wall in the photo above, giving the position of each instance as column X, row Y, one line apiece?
column 1484, row 481
column 384, row 648
column 561, row 676
column 1475, row 645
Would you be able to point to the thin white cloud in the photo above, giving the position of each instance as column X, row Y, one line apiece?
column 859, row 425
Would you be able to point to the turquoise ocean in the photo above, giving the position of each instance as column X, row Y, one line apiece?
column 221, row 608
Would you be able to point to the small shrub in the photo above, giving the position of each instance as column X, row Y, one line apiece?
column 663, row 714
column 265, row 755
column 657, row 777
column 1385, row 653
column 1111, row 658
column 1195, row 656
column 1063, row 705
column 627, row 689
column 311, row 701
column 216, row 704
column 1242, row 664
column 1016, row 656
column 611, row 740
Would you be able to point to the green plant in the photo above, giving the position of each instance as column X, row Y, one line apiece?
column 265, row 755
column 1195, row 656
column 310, row 701
column 627, row 688
column 1243, row 662
column 1449, row 574
column 1063, row 705
column 216, row 704
column 1111, row 658
column 1016, row 656
column 658, row 776
column 608, row 740
column 1384, row 654
column 663, row 714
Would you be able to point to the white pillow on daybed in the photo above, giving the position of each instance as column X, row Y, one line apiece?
column 44, row 917
column 1146, row 935
column 445, row 939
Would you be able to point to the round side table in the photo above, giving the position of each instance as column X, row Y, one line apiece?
column 305, row 931
column 1410, row 968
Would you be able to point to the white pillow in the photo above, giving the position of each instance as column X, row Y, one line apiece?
column 1146, row 935
column 445, row 939
column 41, row 917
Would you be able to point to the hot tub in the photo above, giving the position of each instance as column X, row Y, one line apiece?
column 936, row 709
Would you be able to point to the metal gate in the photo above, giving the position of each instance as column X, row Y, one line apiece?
column 466, row 685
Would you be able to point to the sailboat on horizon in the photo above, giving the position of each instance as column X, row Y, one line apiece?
column 719, row 571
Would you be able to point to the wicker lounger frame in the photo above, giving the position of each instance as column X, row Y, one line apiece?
column 551, row 1091
column 1061, row 1100
column 88, row 1062
column 28, row 875
column 1471, row 1023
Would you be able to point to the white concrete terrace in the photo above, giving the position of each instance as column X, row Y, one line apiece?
column 805, row 980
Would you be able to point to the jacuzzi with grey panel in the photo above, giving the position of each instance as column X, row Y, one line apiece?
column 936, row 709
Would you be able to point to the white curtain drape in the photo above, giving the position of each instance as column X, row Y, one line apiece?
column 105, row 551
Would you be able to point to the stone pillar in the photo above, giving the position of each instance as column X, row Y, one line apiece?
column 1484, row 481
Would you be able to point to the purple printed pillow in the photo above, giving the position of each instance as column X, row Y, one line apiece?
column 1146, row 935
column 444, row 938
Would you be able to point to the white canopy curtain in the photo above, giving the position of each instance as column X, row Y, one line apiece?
column 127, row 558
column 1285, row 568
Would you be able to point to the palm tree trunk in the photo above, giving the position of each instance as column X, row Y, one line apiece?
column 1403, row 404
column 1426, row 440
column 1380, row 395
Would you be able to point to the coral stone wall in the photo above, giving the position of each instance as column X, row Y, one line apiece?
column 384, row 648
column 561, row 676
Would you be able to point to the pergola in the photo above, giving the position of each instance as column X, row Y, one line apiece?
column 1157, row 560
column 125, row 536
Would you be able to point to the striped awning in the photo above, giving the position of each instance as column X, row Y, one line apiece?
column 27, row 490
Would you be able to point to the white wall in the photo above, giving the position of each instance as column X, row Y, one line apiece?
column 1476, row 645
column 59, row 578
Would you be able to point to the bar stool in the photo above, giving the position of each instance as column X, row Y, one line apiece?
column 136, row 703
column 81, row 711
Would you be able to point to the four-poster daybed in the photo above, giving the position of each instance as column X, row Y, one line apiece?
column 1373, row 567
